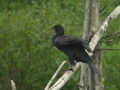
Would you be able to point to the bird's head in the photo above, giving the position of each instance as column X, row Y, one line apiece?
column 58, row 29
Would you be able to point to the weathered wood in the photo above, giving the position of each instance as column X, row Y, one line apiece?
column 54, row 76
column 86, row 34
column 13, row 85
column 103, row 28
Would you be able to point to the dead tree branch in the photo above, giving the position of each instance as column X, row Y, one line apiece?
column 103, row 28
column 13, row 85
column 54, row 76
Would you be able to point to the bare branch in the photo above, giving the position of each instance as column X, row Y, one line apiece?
column 103, row 28
column 62, row 81
column 54, row 76
column 13, row 85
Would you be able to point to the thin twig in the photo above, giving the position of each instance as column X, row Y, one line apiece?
column 104, row 10
column 109, row 49
column 103, row 27
column 54, row 76
column 111, row 35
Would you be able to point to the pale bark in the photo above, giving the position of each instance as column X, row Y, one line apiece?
column 13, row 85
column 99, row 84
column 93, row 78
column 98, row 35
column 88, row 79
column 91, row 25
column 64, row 78
column 54, row 76
column 87, row 20
column 67, row 75
column 84, row 68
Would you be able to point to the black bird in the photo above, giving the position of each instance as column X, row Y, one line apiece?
column 74, row 47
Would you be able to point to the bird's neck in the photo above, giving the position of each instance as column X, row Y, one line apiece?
column 57, row 35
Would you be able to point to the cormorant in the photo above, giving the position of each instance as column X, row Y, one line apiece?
column 74, row 47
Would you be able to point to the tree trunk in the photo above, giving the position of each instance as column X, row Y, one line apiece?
column 98, row 61
column 84, row 67
column 89, row 81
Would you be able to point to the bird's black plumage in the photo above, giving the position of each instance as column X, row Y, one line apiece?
column 74, row 47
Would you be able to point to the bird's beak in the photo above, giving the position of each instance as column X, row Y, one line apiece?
column 54, row 30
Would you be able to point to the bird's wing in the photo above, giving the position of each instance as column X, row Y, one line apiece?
column 72, row 40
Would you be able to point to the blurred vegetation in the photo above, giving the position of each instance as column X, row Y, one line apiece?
column 26, row 52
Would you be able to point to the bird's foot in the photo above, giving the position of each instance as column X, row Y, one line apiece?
column 70, row 69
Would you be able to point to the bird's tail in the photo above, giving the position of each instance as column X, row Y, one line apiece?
column 94, row 69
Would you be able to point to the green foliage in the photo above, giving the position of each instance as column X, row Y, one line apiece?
column 111, row 68
column 26, row 52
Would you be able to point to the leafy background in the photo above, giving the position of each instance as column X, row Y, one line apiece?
column 27, row 55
